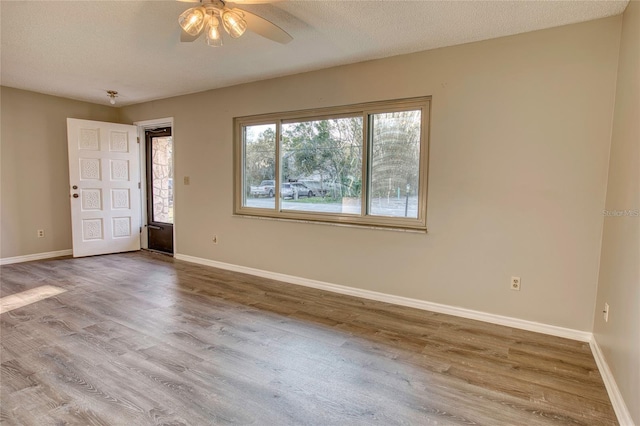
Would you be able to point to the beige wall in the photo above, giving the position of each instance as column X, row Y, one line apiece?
column 35, row 172
column 619, row 281
column 520, row 141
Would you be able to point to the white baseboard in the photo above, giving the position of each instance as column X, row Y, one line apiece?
column 552, row 330
column 619, row 406
column 37, row 256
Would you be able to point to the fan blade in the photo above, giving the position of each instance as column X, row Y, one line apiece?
column 189, row 1
column 185, row 37
column 265, row 28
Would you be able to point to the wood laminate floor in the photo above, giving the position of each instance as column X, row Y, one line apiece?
column 141, row 339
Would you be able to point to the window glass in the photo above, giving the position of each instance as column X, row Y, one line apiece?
column 322, row 161
column 259, row 166
column 363, row 164
column 395, row 164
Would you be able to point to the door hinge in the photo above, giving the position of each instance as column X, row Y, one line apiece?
column 141, row 229
column 138, row 139
column 139, row 186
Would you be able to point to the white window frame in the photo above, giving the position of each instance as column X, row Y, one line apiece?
column 365, row 110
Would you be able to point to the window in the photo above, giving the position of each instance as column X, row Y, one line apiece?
column 361, row 164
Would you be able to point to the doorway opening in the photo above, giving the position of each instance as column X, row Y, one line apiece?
column 159, row 180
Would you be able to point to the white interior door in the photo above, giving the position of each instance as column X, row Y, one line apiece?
column 104, row 176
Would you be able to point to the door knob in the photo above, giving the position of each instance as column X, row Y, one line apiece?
column 75, row 186
column 75, row 195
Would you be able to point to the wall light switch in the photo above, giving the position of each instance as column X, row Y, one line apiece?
column 187, row 180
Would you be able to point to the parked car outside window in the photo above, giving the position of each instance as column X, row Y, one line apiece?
column 265, row 189
column 315, row 186
column 286, row 190
column 302, row 189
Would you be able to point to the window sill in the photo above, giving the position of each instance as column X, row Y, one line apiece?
column 345, row 225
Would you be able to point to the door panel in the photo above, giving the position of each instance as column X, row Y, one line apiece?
column 104, row 169
column 159, row 153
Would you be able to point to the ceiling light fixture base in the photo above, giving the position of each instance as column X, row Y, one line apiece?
column 112, row 94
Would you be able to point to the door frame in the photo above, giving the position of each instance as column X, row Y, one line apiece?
column 143, row 126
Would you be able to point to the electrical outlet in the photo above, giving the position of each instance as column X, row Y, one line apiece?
column 215, row 239
column 605, row 313
column 40, row 233
column 515, row 283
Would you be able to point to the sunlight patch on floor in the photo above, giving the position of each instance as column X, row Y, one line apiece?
column 18, row 300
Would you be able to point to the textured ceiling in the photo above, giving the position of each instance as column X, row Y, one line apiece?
column 80, row 49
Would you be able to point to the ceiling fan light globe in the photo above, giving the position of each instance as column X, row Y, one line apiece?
column 233, row 23
column 214, row 36
column 192, row 20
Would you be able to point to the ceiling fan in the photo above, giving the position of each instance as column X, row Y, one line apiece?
column 210, row 15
